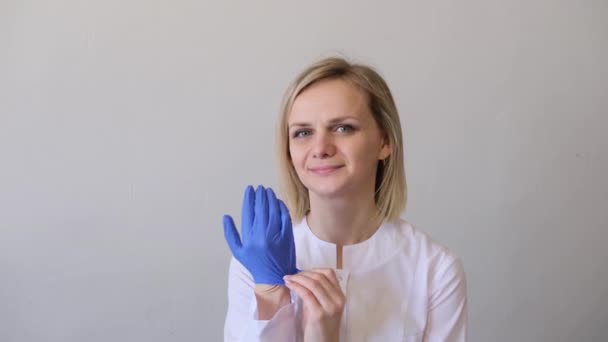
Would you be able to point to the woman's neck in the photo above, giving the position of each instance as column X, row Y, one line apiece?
column 343, row 221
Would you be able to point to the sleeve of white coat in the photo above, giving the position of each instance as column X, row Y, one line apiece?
column 241, row 323
column 447, row 316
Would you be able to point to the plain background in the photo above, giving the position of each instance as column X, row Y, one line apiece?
column 128, row 128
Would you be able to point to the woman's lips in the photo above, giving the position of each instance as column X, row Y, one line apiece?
column 325, row 170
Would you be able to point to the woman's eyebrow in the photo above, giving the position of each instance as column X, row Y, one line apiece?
column 342, row 118
column 299, row 124
column 332, row 121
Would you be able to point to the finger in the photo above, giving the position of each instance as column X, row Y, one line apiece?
column 309, row 299
column 247, row 214
column 322, row 279
column 329, row 273
column 274, row 212
column 261, row 207
column 333, row 287
column 232, row 235
column 320, row 287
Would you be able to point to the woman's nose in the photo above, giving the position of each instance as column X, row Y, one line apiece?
column 323, row 146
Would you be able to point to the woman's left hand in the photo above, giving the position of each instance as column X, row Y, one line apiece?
column 323, row 301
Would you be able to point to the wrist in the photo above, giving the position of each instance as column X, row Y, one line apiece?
column 266, row 289
column 270, row 298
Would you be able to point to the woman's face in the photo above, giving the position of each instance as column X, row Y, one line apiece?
column 334, row 141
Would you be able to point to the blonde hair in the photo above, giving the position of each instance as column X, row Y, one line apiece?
column 391, row 188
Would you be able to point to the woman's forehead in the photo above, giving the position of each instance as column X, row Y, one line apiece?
column 328, row 100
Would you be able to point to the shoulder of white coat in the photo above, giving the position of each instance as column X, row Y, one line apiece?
column 436, row 255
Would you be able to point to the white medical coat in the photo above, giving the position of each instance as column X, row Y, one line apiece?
column 399, row 284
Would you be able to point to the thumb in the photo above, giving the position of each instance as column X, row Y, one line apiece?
column 232, row 235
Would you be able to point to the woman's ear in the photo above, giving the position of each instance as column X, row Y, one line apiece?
column 385, row 151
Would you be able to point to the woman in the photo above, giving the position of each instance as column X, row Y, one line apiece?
column 361, row 273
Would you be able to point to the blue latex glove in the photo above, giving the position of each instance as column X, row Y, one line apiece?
column 267, row 248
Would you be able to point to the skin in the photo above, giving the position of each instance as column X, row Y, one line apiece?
column 330, row 124
column 335, row 146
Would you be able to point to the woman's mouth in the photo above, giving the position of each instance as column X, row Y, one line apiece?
column 325, row 170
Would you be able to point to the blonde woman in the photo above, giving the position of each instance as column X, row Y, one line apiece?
column 361, row 273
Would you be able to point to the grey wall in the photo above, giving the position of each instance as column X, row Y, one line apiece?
column 127, row 128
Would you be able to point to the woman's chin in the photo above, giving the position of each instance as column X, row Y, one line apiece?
column 328, row 191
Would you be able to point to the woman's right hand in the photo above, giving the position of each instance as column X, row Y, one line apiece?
column 267, row 248
column 323, row 302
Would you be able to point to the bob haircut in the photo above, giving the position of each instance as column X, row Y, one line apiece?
column 391, row 188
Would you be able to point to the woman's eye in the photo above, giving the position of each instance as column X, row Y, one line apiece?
column 302, row 133
column 344, row 128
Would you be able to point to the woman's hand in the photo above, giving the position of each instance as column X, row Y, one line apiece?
column 323, row 303
column 266, row 245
